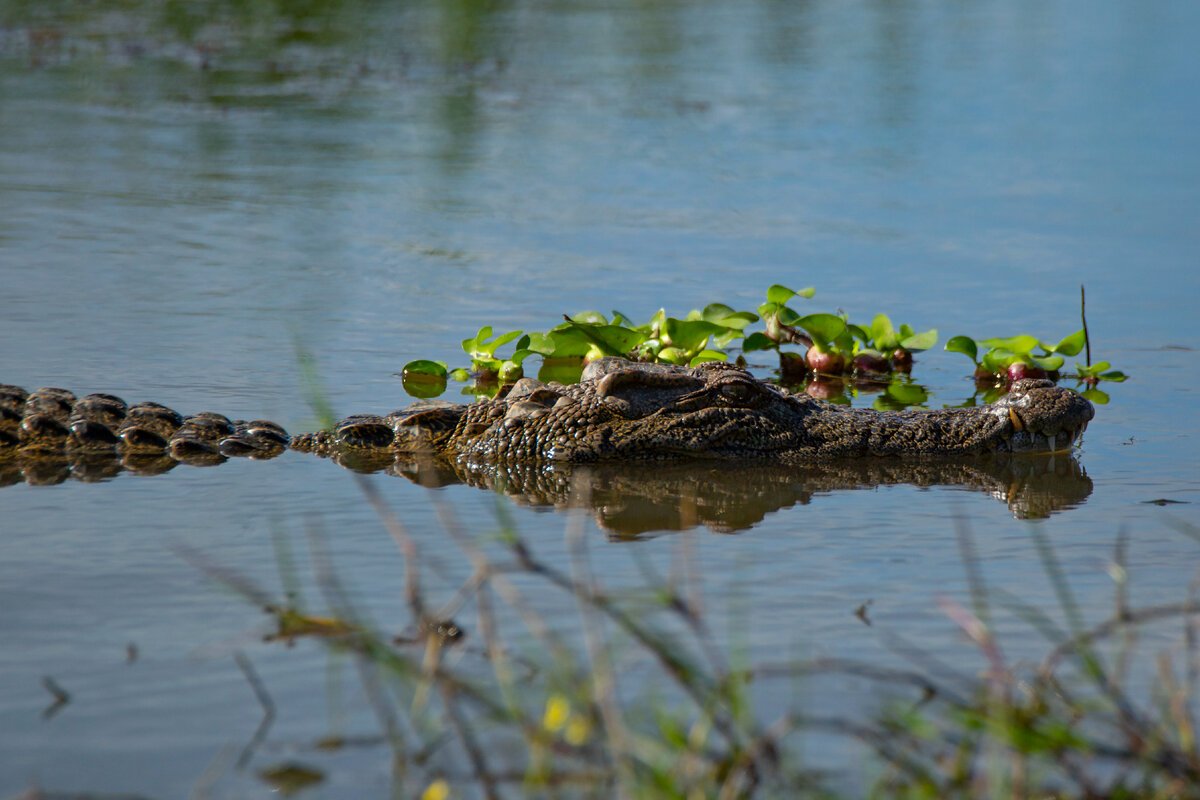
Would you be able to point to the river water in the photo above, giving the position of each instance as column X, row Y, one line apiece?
column 190, row 199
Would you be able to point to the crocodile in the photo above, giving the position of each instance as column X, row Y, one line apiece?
column 619, row 411
column 625, row 411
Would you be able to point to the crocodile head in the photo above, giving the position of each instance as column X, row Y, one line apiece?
column 720, row 411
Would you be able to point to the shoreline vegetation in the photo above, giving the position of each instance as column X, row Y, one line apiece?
column 644, row 699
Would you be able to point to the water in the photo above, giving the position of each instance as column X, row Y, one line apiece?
column 183, row 199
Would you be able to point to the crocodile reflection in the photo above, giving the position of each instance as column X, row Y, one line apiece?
column 630, row 499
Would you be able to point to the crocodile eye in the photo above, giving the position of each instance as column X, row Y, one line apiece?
column 737, row 392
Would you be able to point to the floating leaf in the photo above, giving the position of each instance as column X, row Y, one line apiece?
column 823, row 328
column 965, row 345
column 610, row 340
column 917, row 342
column 998, row 359
column 1017, row 344
column 564, row 370
column 1092, row 370
column 715, row 311
column 883, row 334
column 722, row 340
column 707, row 355
column 480, row 347
column 672, row 355
column 1048, row 363
column 689, row 335
column 563, row 342
column 757, row 341
column 424, row 378
column 779, row 294
column 511, row 371
column 1071, row 345
column 424, row 370
column 589, row 318
column 1096, row 396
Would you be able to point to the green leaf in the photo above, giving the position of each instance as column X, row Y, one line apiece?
column 487, row 366
column 649, row 349
column 1115, row 375
column 707, row 355
column 589, row 317
column 822, row 328
column 723, row 340
column 1017, row 344
column 511, row 371
column 566, row 342
column 620, row 319
column 916, row 342
column 459, row 375
column 860, row 333
column 1071, row 345
column 998, row 359
column 757, row 341
column 1091, row 370
column 769, row 310
column 612, row 340
column 883, row 334
column 1096, row 396
column 787, row 316
column 470, row 346
column 501, row 340
column 565, row 371
column 965, row 345
column 424, row 370
column 672, row 355
column 779, row 294
column 694, row 315
column 726, row 317
column 481, row 347
column 690, row 335
column 716, row 311
column 1047, row 363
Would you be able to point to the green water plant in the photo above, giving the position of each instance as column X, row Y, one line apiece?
column 424, row 378
column 482, row 349
column 881, row 347
column 812, row 349
column 1003, row 360
column 825, row 336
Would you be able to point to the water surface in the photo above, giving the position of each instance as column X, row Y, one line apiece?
column 184, row 199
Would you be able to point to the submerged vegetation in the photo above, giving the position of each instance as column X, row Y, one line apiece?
column 818, row 351
column 480, row 696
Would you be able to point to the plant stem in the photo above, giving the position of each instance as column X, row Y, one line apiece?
column 1087, row 343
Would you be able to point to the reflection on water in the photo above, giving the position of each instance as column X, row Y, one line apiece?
column 632, row 498
column 629, row 499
